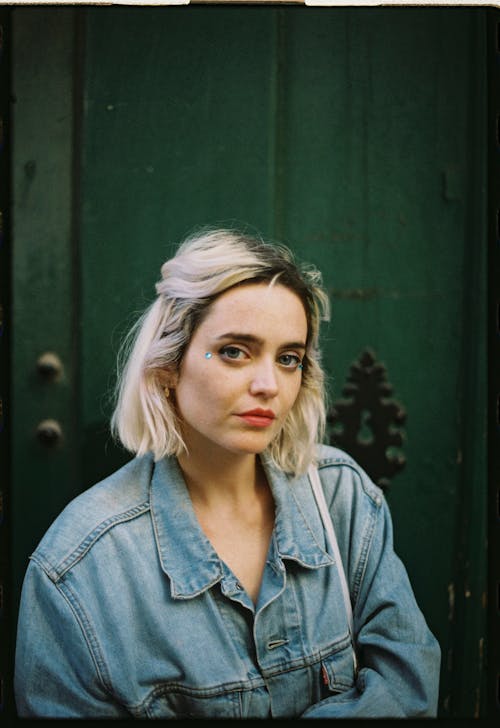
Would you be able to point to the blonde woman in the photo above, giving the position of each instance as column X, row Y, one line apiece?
column 216, row 575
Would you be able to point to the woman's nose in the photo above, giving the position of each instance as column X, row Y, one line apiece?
column 264, row 381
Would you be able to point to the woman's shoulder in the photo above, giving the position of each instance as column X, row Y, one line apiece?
column 338, row 469
column 118, row 498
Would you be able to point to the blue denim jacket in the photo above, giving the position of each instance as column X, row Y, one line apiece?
column 127, row 610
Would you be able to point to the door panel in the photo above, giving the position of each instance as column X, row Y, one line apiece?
column 384, row 189
column 45, row 476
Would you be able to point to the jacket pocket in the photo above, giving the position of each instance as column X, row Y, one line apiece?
column 338, row 671
column 179, row 702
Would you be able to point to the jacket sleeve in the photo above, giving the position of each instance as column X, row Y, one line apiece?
column 56, row 672
column 398, row 657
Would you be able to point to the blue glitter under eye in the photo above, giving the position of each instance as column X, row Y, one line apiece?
column 208, row 355
column 301, row 366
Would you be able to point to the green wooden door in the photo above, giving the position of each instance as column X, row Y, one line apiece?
column 353, row 135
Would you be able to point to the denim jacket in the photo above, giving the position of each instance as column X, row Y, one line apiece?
column 127, row 611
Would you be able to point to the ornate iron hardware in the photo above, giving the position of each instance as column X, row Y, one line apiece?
column 366, row 423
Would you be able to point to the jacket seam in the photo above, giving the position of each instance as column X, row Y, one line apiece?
column 298, row 663
column 363, row 559
column 374, row 495
column 375, row 505
column 57, row 571
column 89, row 636
column 172, row 686
column 81, row 619
column 246, row 686
column 312, row 535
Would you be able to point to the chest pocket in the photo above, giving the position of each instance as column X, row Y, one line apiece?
column 337, row 672
column 173, row 701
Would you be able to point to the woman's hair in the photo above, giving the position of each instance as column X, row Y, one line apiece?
column 206, row 264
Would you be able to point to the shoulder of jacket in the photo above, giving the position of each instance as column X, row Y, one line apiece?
column 335, row 463
column 120, row 497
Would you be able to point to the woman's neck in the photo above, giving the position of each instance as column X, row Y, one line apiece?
column 234, row 507
column 222, row 477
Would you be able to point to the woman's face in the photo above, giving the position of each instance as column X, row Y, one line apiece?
column 241, row 374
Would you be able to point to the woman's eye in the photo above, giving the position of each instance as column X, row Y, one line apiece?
column 232, row 352
column 290, row 361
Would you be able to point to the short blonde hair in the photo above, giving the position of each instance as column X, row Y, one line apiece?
column 206, row 264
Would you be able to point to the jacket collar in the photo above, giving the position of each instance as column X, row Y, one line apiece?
column 186, row 554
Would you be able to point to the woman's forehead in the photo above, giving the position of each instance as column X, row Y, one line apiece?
column 258, row 306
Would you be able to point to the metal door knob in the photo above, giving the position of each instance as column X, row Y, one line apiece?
column 49, row 366
column 49, row 433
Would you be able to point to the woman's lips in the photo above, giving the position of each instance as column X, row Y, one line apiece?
column 258, row 418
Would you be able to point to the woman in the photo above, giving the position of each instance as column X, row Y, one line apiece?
column 199, row 580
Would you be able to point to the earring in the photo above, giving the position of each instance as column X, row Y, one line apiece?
column 167, row 392
column 208, row 355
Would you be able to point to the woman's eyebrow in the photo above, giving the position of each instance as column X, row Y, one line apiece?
column 252, row 339
column 235, row 335
column 294, row 345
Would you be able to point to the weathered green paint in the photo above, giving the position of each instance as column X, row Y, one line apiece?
column 354, row 135
column 44, row 290
column 386, row 154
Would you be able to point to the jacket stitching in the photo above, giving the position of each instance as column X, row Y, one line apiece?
column 373, row 492
column 247, row 686
column 311, row 534
column 376, row 504
column 306, row 661
column 90, row 640
column 56, row 572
